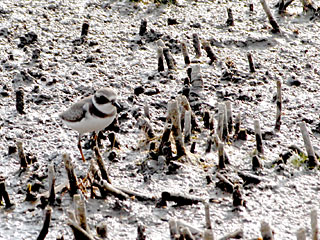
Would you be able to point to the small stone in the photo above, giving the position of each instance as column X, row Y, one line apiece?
column 172, row 21
column 138, row 90
column 102, row 229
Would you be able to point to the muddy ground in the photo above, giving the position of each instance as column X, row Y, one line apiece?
column 41, row 53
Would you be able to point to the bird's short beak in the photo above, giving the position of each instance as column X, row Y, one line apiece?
column 117, row 105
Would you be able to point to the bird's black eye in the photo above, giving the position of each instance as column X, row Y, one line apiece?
column 101, row 99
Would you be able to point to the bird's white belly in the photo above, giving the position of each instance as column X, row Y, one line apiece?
column 90, row 124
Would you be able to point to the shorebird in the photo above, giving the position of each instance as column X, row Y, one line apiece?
column 91, row 114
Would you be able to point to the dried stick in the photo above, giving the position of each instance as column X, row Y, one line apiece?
column 106, row 188
column 84, row 29
column 196, row 78
column 20, row 101
column 143, row 27
column 222, row 156
column 144, row 124
column 207, row 215
column 250, row 60
column 196, row 45
column 312, row 160
column 71, row 175
column 102, row 167
column 193, row 230
column 208, row 234
column 283, row 6
column 169, row 59
column 251, row 7
column 229, row 117
column 141, row 232
column 22, row 156
column 160, row 59
column 314, row 224
column 206, row 119
column 238, row 234
column 301, row 234
column 186, row 233
column 136, row 195
column 186, row 107
column 256, row 163
column 279, row 106
column 210, row 54
column 237, row 197
column 230, row 21
column 78, row 232
column 179, row 199
column 174, row 232
column 266, row 231
column 165, row 137
column 257, row 130
column 309, row 5
column 224, row 183
column 146, row 110
column 4, row 194
column 52, row 180
column 81, row 213
column 102, row 229
column 185, row 53
column 272, row 21
column 187, row 128
column 173, row 113
column 249, row 178
column 45, row 228
column 237, row 124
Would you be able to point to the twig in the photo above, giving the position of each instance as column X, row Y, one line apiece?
column 106, row 188
column 224, row 183
column 279, row 106
column 179, row 199
column 169, row 59
column 52, row 180
column 141, row 232
column 45, row 228
column 301, row 234
column 272, row 21
column 230, row 21
column 238, row 234
column 186, row 233
column 266, row 231
column 314, row 224
column 22, row 156
column 20, row 101
column 209, row 51
column 229, row 116
column 312, row 160
column 160, row 59
column 71, row 175
column 250, row 60
column 103, row 169
column 173, row 113
column 185, row 53
column 78, row 232
column 196, row 45
column 174, row 232
column 4, row 194
column 102, row 229
column 143, row 27
column 257, row 130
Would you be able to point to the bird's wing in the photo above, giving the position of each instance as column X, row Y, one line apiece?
column 77, row 111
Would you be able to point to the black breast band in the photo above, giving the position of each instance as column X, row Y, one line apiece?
column 96, row 112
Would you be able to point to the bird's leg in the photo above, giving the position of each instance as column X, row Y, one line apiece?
column 80, row 148
column 95, row 139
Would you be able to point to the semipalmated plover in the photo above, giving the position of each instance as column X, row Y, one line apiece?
column 91, row 114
